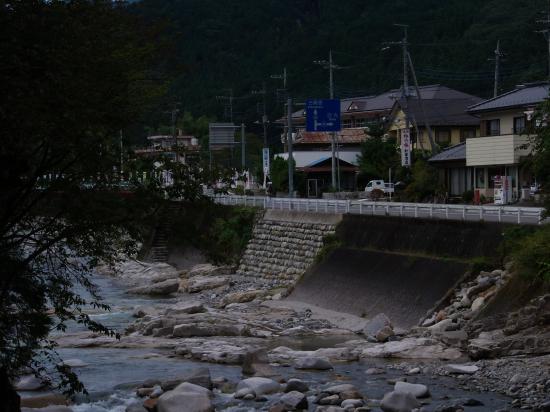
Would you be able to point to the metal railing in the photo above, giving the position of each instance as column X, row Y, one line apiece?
column 493, row 213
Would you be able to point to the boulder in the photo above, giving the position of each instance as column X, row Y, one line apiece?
column 296, row 385
column 187, row 330
column 242, row 297
column 200, row 283
column 29, row 383
column 43, row 399
column 185, row 308
column 399, row 402
column 412, row 348
column 315, row 363
column 51, row 408
column 259, row 386
column 352, row 403
column 186, row 397
column 135, row 407
column 461, row 369
column 73, row 363
column 477, row 303
column 165, row 287
column 294, row 400
column 199, row 376
column 416, row 389
column 376, row 325
column 337, row 389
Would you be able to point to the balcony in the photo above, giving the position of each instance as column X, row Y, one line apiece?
column 497, row 150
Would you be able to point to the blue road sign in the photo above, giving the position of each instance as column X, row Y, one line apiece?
column 323, row 115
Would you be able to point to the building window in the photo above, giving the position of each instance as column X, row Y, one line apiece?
column 519, row 125
column 493, row 127
column 467, row 134
column 360, row 123
column 442, row 135
column 480, row 178
column 347, row 123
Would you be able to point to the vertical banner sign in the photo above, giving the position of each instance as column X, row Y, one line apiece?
column 265, row 156
column 406, row 147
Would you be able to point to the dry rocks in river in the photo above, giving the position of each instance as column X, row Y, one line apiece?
column 194, row 397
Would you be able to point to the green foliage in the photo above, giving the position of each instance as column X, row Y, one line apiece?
column 230, row 235
column 424, row 184
column 377, row 157
column 468, row 196
column 541, row 156
column 330, row 243
column 531, row 255
column 243, row 40
column 74, row 74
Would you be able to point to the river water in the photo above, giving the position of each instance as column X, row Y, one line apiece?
column 111, row 375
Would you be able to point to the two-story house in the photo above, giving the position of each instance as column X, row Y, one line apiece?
column 443, row 109
column 499, row 150
column 504, row 140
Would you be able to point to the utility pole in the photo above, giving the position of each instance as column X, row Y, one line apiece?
column 229, row 103
column 243, row 148
column 331, row 66
column 280, row 77
column 175, row 111
column 263, row 92
column 121, row 158
column 546, row 32
column 497, row 59
column 289, row 143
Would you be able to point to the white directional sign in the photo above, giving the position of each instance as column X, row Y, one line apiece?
column 266, row 160
column 406, row 147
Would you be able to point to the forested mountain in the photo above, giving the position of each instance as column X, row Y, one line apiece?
column 238, row 44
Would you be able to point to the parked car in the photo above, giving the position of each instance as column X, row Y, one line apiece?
column 387, row 188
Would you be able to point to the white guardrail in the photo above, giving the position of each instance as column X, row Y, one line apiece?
column 506, row 214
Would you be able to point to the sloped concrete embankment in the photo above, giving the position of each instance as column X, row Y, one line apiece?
column 400, row 267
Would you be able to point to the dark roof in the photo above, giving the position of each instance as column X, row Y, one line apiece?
column 452, row 153
column 521, row 96
column 443, row 112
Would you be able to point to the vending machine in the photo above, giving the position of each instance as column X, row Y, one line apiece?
column 503, row 190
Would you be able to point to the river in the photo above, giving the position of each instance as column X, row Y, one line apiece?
column 111, row 375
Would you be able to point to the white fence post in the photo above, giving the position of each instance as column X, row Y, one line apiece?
column 481, row 213
column 347, row 206
column 519, row 215
column 540, row 217
column 415, row 211
column 464, row 213
column 360, row 208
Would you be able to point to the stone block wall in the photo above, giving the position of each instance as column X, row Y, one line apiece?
column 283, row 247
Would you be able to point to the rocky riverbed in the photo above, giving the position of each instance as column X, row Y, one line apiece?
column 214, row 340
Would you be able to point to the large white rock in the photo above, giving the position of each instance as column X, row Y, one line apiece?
column 412, row 348
column 186, row 398
column 416, row 389
column 50, row 408
column 73, row 363
column 29, row 383
column 399, row 402
column 260, row 386
column 461, row 369
column 199, row 283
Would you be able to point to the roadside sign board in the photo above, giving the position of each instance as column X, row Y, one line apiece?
column 406, row 147
column 265, row 159
column 221, row 135
column 323, row 115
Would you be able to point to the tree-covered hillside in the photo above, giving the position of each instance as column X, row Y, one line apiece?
column 238, row 44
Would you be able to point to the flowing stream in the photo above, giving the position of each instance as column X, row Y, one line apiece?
column 111, row 375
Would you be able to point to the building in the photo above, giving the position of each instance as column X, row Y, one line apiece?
column 503, row 144
column 443, row 109
column 163, row 145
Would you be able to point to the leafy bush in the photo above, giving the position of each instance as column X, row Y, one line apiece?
column 330, row 242
column 531, row 254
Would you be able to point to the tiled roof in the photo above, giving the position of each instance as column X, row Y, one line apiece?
column 525, row 95
column 453, row 153
column 344, row 136
column 444, row 112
